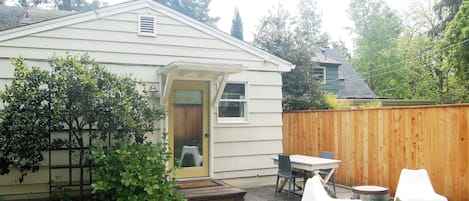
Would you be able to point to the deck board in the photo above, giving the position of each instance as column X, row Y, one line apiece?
column 197, row 190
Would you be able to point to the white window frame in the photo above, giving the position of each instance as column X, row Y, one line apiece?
column 323, row 73
column 139, row 19
column 245, row 101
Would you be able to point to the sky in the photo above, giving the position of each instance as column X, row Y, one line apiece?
column 335, row 19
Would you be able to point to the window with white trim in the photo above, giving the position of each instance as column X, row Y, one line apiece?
column 146, row 25
column 320, row 74
column 233, row 103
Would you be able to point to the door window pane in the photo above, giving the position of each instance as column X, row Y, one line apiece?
column 188, row 97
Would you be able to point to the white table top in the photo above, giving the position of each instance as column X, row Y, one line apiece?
column 311, row 163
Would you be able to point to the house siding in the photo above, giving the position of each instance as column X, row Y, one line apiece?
column 239, row 150
column 332, row 79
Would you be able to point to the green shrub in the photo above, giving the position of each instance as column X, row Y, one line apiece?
column 134, row 172
column 333, row 103
column 371, row 104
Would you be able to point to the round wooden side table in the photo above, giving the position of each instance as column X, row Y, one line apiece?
column 370, row 193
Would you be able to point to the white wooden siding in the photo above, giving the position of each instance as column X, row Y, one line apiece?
column 247, row 148
column 240, row 174
column 114, row 42
column 243, row 163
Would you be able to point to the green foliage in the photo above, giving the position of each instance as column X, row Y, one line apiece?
column 134, row 172
column 377, row 28
column 78, row 96
column 196, row 9
column 76, row 5
column 295, row 41
column 445, row 10
column 371, row 104
column 24, row 122
column 237, row 25
column 456, row 39
column 333, row 103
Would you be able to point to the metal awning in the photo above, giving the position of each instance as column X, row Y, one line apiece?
column 196, row 71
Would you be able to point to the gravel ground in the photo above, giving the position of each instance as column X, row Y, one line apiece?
column 266, row 193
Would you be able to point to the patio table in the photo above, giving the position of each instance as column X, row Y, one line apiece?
column 313, row 164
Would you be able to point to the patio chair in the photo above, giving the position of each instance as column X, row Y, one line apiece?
column 314, row 191
column 286, row 171
column 328, row 155
column 415, row 185
column 194, row 151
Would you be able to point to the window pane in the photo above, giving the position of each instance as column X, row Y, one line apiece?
column 231, row 109
column 319, row 72
column 233, row 91
column 187, row 97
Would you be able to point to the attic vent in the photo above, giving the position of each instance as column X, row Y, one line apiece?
column 146, row 25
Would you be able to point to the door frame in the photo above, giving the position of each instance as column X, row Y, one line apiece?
column 204, row 170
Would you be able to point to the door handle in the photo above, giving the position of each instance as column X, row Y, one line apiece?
column 206, row 135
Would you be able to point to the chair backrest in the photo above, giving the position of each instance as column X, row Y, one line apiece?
column 412, row 181
column 326, row 154
column 314, row 191
column 284, row 166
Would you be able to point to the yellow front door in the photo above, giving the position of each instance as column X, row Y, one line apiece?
column 188, row 128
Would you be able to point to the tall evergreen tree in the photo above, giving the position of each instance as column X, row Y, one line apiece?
column 237, row 25
column 282, row 35
column 197, row 9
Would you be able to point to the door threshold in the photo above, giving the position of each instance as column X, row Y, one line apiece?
column 193, row 178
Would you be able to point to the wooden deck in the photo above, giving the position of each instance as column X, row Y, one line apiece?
column 209, row 189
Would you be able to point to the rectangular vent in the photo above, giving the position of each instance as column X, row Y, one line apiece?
column 146, row 25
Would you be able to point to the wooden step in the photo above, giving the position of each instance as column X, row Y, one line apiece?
column 209, row 189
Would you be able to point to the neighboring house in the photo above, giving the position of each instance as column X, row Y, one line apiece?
column 12, row 17
column 339, row 77
column 223, row 95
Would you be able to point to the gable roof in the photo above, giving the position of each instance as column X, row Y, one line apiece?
column 283, row 65
column 352, row 86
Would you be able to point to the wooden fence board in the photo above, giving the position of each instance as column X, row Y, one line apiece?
column 375, row 144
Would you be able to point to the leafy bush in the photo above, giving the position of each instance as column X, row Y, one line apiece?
column 333, row 103
column 134, row 172
column 371, row 104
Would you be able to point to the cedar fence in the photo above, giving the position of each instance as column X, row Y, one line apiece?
column 375, row 144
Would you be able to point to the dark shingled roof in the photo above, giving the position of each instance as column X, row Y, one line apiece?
column 352, row 86
column 12, row 17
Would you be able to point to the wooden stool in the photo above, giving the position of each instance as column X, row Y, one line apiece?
column 370, row 193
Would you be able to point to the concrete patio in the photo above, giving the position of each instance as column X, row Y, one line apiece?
column 268, row 193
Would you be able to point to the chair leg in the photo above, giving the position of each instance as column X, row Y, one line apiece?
column 276, row 186
column 333, row 182
column 289, row 188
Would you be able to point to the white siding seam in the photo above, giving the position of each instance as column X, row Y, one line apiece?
column 265, row 85
column 245, row 126
column 244, row 155
column 131, row 53
column 123, row 31
column 274, row 99
column 103, row 63
column 256, row 140
column 265, row 168
column 141, row 43
column 260, row 112
column 133, row 32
